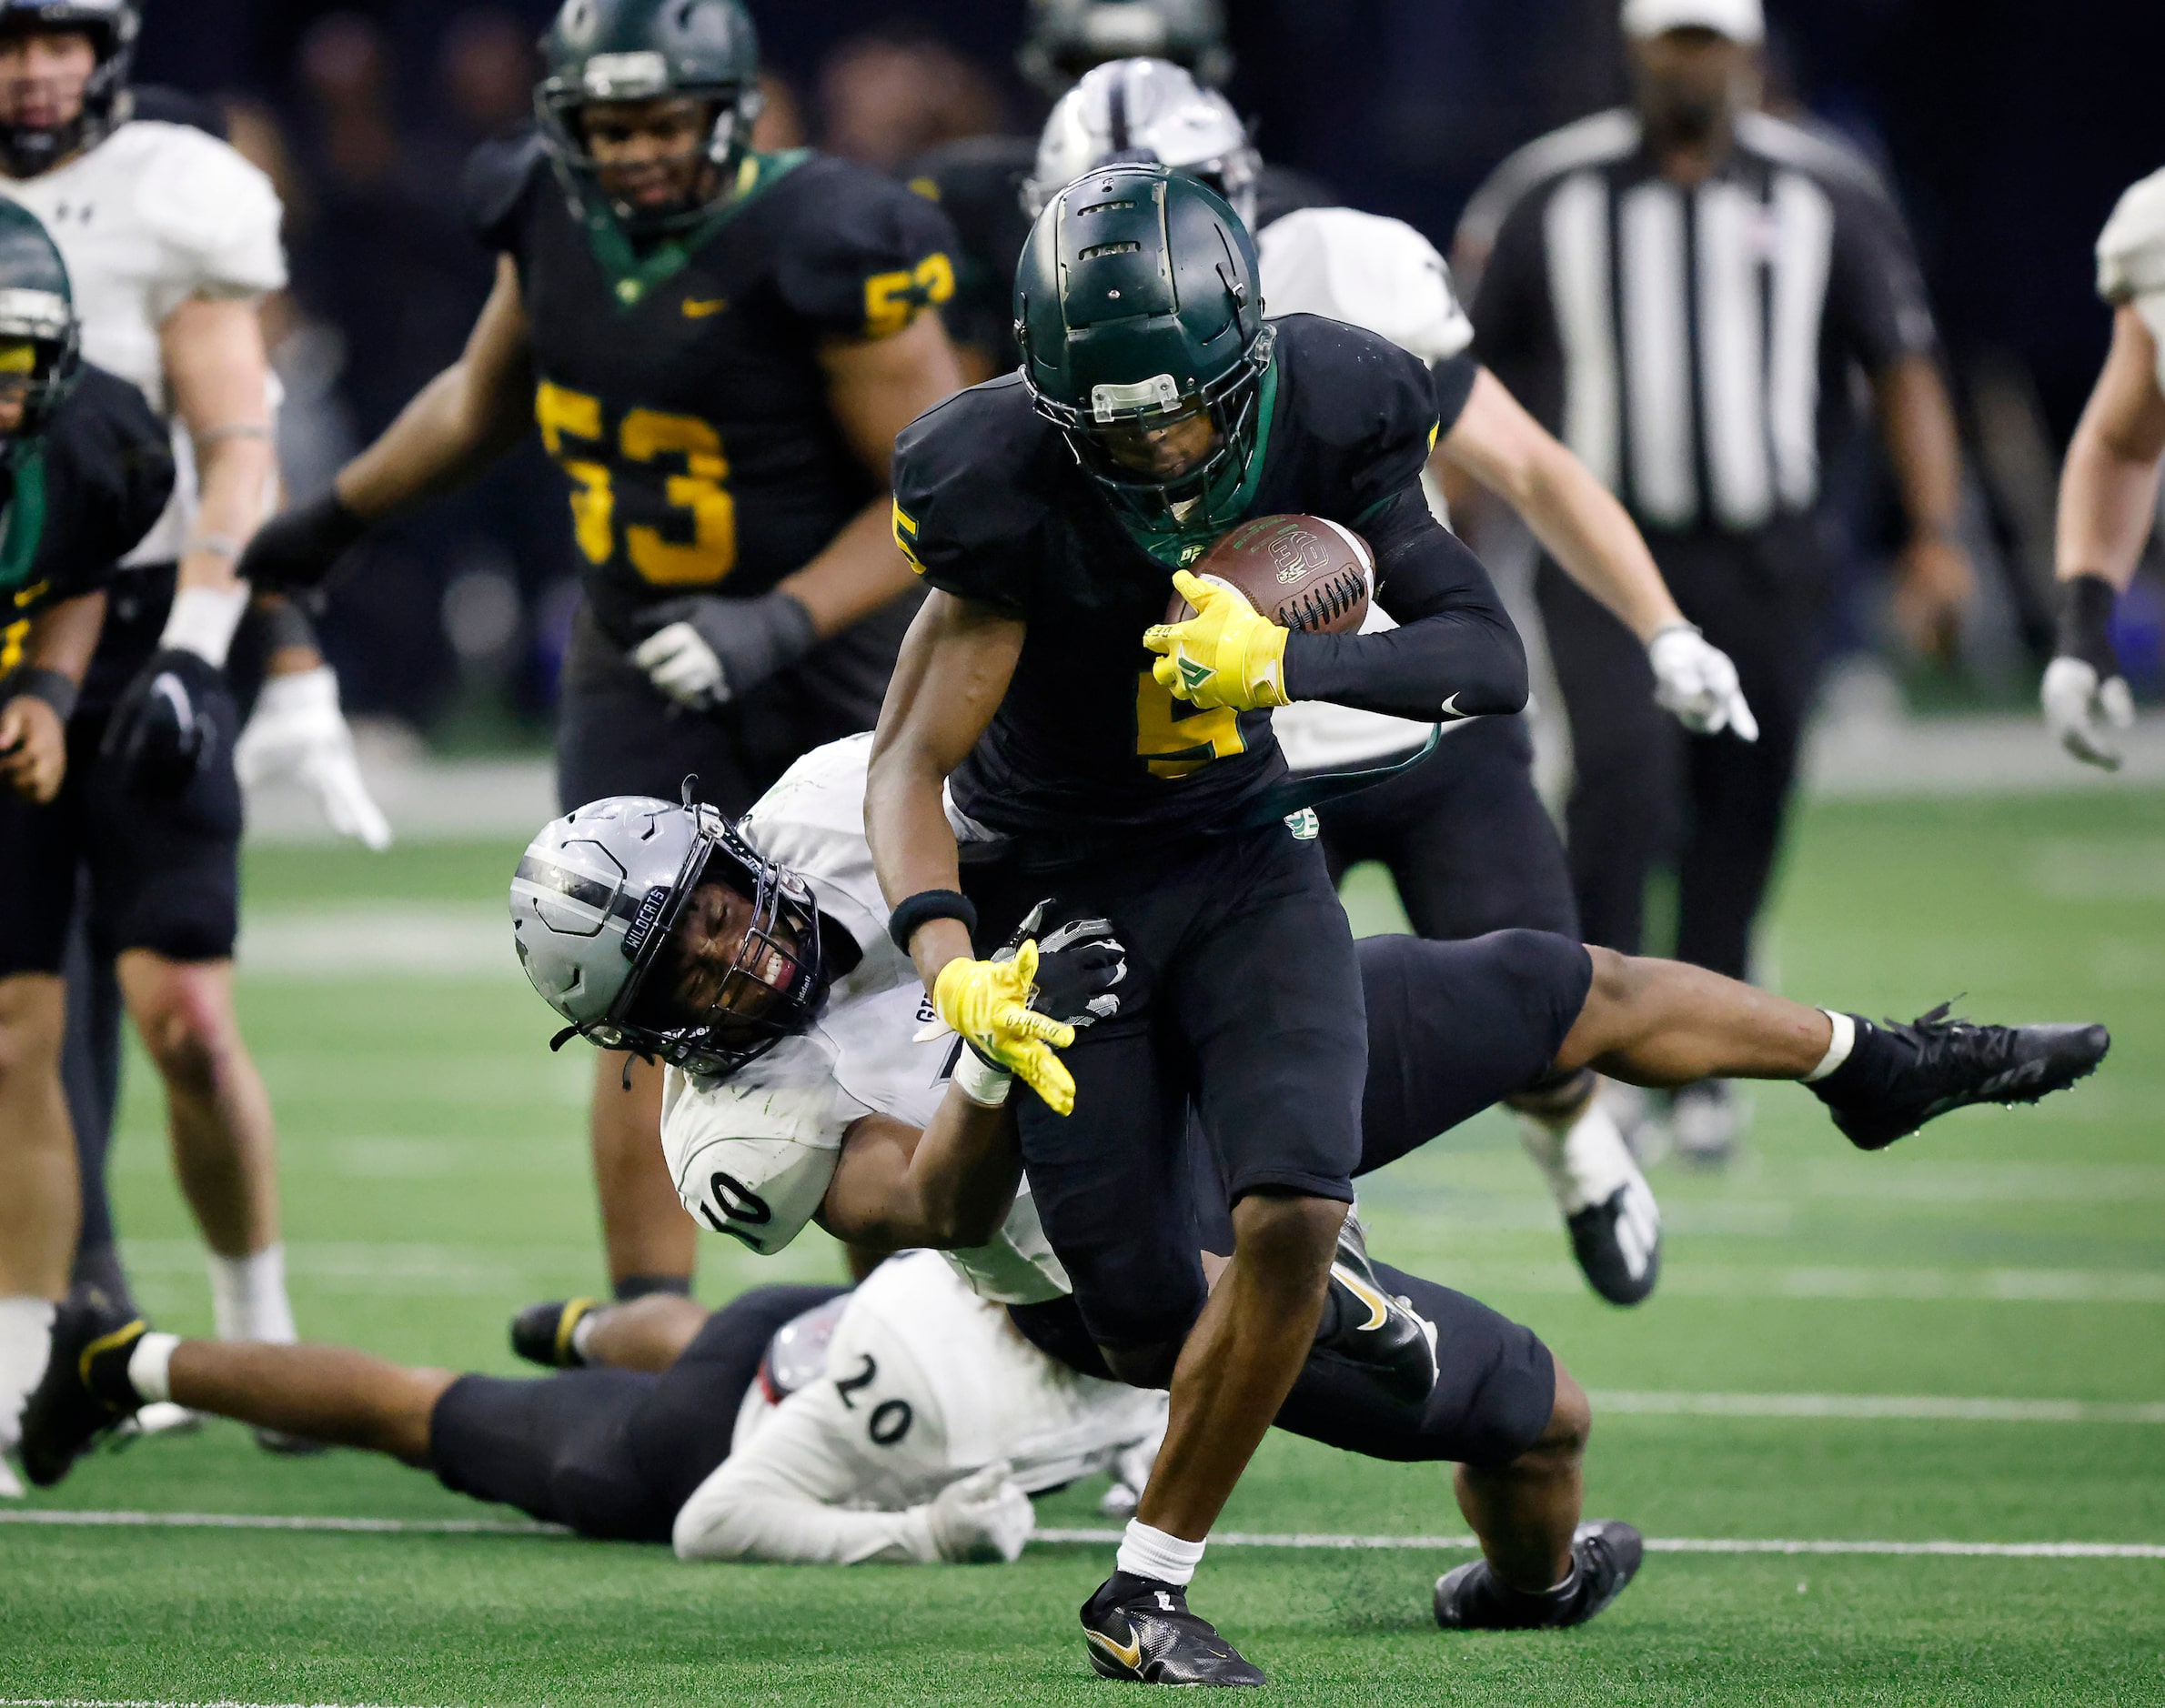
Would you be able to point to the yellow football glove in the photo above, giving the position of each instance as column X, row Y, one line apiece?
column 1227, row 653
column 988, row 1002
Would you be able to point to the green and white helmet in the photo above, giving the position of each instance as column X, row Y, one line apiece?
column 595, row 904
column 647, row 50
column 40, row 337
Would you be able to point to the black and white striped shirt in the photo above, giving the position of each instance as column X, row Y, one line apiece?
column 1692, row 346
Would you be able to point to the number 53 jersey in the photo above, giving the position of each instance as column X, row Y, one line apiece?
column 678, row 385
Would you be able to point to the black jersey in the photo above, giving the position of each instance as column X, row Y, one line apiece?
column 77, row 501
column 992, row 506
column 978, row 181
column 680, row 391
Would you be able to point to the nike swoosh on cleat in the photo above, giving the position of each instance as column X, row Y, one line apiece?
column 1379, row 1312
column 1450, row 708
column 1129, row 1655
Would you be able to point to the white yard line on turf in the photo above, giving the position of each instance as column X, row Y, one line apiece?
column 1932, row 1407
column 1224, row 1539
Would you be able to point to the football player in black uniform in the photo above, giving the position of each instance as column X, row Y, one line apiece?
column 719, row 346
column 85, row 470
column 1134, row 777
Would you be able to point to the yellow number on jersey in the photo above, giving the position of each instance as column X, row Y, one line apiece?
column 564, row 416
column 892, row 299
column 1175, row 737
column 12, row 639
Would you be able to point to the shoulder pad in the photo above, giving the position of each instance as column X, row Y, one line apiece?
column 962, row 515
column 2131, row 249
column 1377, row 274
column 200, row 198
column 497, row 175
column 751, row 1160
column 862, row 255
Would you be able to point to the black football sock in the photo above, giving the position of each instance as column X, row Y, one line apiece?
column 630, row 1286
column 106, row 1367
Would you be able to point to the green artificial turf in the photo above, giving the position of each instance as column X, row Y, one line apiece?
column 434, row 1179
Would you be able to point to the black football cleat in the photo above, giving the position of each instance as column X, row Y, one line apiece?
column 1366, row 1325
column 541, row 1335
column 1141, row 1629
column 1605, row 1557
column 84, row 1391
column 1618, row 1244
column 1936, row 1064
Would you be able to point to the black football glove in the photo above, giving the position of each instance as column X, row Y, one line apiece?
column 701, row 650
column 1078, row 965
column 165, row 730
column 298, row 548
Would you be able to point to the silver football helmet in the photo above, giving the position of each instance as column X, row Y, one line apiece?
column 1149, row 111
column 1066, row 37
column 594, row 905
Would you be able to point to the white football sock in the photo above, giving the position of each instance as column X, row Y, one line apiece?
column 150, row 1367
column 1583, row 1156
column 25, row 1338
column 1837, row 1050
column 248, row 1297
column 1145, row 1552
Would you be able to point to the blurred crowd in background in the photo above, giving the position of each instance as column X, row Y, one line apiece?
column 2006, row 129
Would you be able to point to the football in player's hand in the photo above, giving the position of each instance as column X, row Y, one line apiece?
column 1300, row 572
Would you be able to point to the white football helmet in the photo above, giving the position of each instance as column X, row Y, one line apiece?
column 1152, row 112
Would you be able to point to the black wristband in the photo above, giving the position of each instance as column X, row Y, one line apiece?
column 2086, row 603
column 60, row 692
column 281, row 626
column 913, row 912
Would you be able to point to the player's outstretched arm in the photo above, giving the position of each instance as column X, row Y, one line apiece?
column 474, row 412
column 34, row 719
column 2107, row 503
column 947, row 1186
column 1582, row 526
column 1455, row 653
column 1935, row 579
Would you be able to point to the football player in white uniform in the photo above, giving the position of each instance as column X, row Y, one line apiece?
column 1463, row 834
column 2109, row 489
column 905, row 1420
column 171, row 238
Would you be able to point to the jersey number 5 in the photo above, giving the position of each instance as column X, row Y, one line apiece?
column 569, row 419
column 1176, row 739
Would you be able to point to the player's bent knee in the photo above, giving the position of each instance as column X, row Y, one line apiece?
column 1287, row 1236
column 185, row 1016
column 32, row 1021
column 1570, row 1419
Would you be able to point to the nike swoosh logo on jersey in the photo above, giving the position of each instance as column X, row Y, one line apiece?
column 1130, row 1654
column 1450, row 708
column 699, row 309
column 1378, row 1312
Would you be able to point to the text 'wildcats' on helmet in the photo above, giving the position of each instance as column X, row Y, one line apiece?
column 112, row 26
column 1146, row 111
column 621, row 51
column 40, row 338
column 1138, row 311
column 597, row 907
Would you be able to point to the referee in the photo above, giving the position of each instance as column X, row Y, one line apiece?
column 1682, row 291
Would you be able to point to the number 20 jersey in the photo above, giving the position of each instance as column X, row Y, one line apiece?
column 679, row 388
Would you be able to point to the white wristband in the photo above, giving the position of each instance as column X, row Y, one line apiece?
column 203, row 620
column 978, row 1080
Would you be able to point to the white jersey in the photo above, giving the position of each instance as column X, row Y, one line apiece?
column 752, row 1154
column 2131, row 257
column 926, row 1383
column 1385, row 277
column 153, row 215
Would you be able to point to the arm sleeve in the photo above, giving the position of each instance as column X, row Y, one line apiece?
column 1875, row 290
column 866, row 258
column 783, row 1498
column 1455, row 653
column 750, row 1163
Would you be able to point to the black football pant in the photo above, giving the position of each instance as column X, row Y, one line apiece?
column 1647, row 792
column 1464, row 836
column 611, row 1453
column 1241, row 1000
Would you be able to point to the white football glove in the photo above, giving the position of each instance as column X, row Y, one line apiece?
column 298, row 734
column 679, row 661
column 1697, row 683
column 982, row 1518
column 2079, row 709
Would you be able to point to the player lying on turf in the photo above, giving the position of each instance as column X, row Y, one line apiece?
column 903, row 1422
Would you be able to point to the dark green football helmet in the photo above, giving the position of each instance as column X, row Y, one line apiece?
column 1137, row 308
column 40, row 338
column 646, row 50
